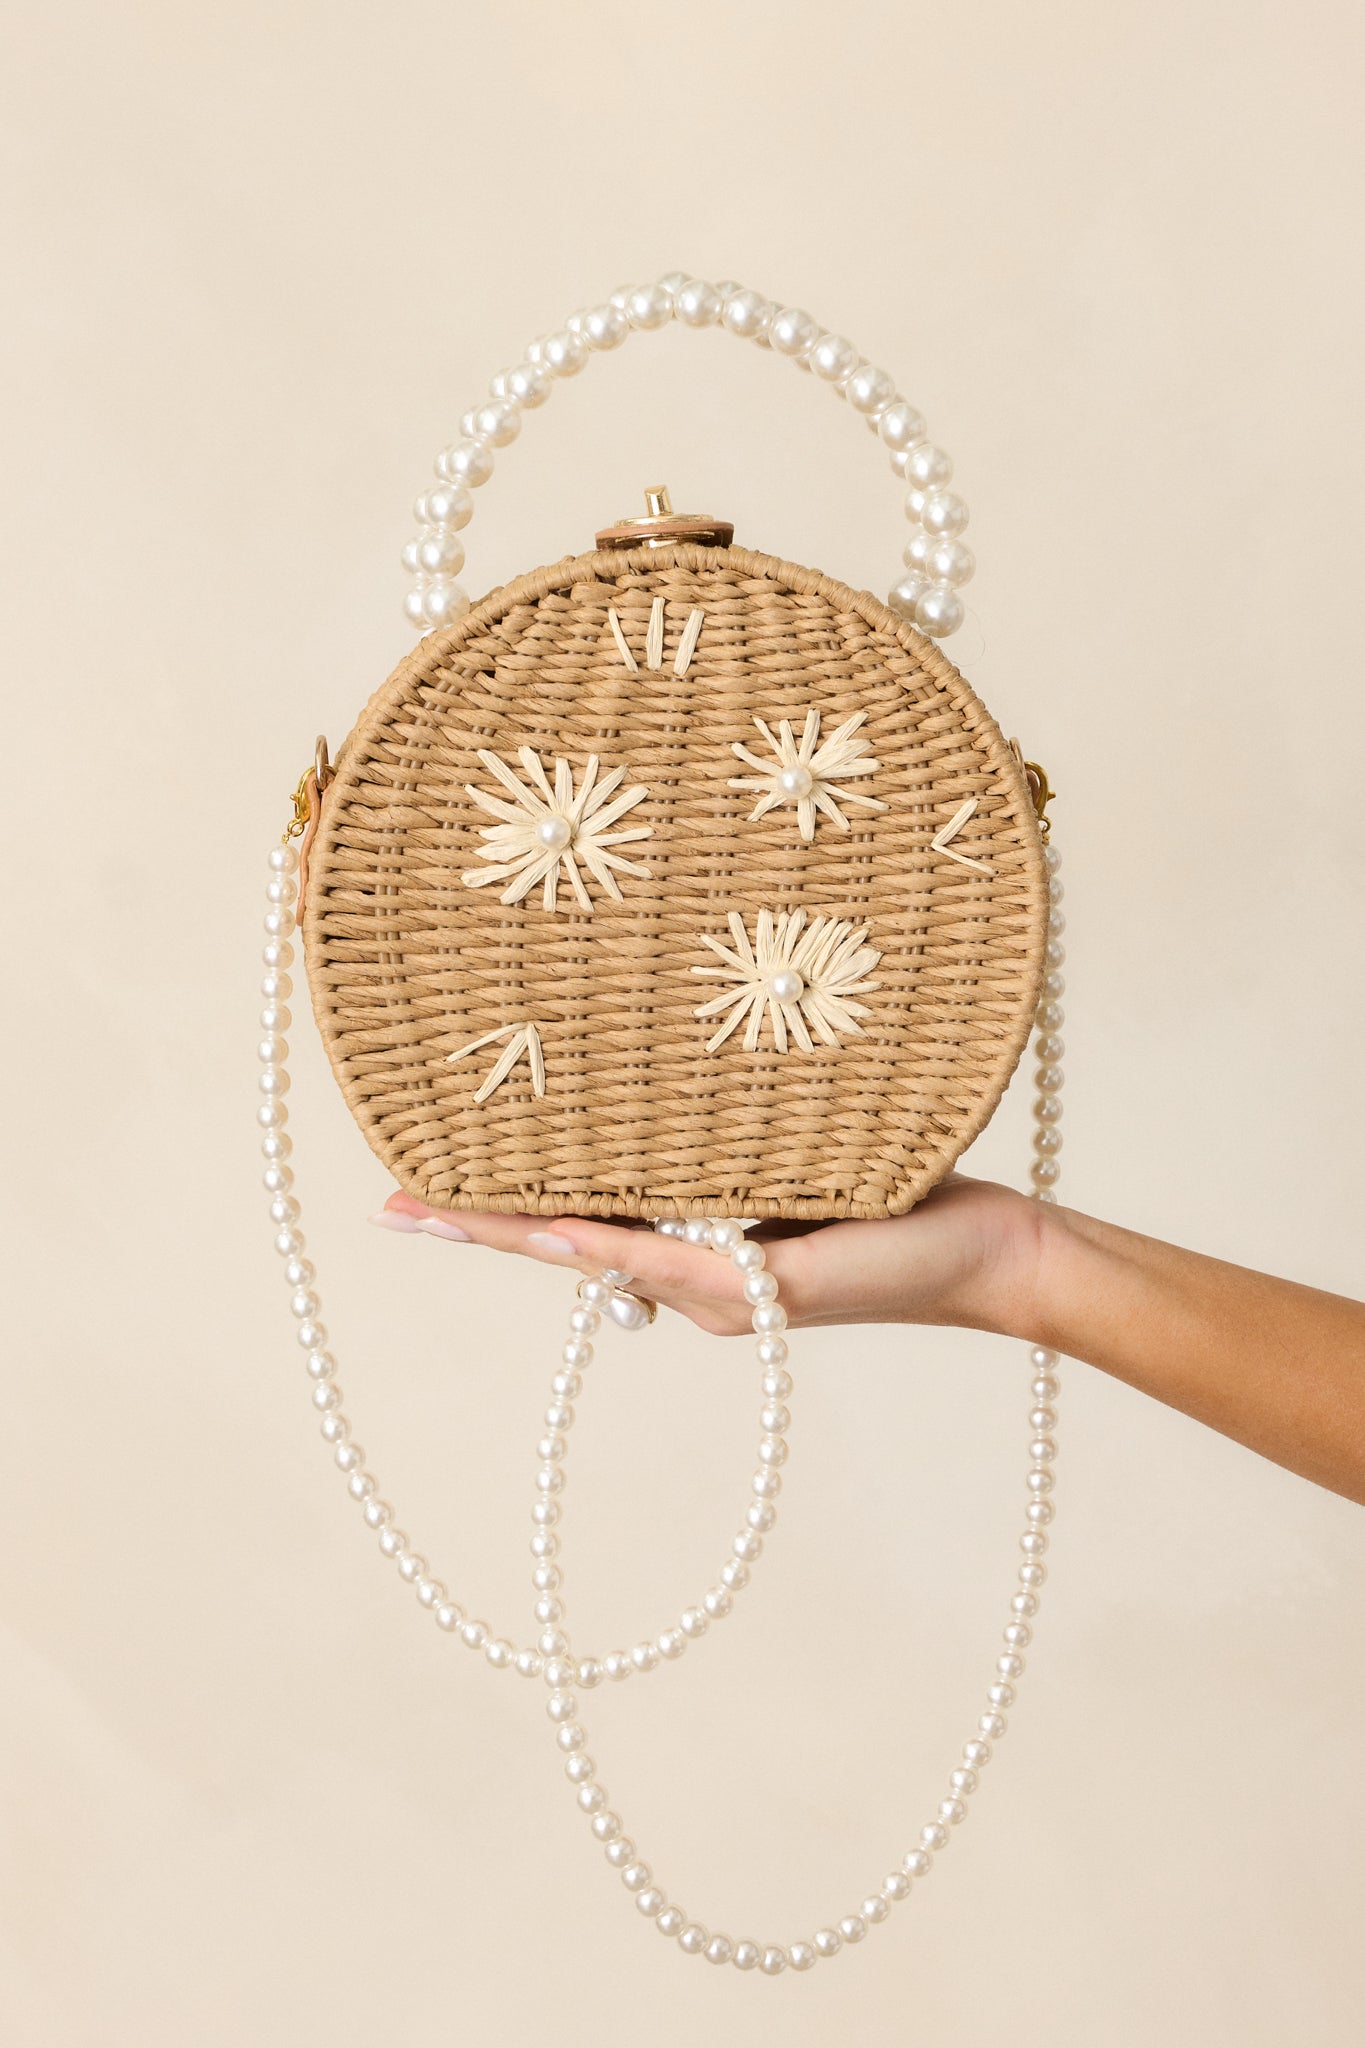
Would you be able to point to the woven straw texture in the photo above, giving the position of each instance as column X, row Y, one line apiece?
column 407, row 963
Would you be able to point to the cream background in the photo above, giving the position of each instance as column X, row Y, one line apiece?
column 260, row 258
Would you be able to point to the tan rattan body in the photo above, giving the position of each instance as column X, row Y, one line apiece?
column 407, row 963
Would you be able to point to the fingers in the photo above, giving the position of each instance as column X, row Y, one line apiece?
column 694, row 1281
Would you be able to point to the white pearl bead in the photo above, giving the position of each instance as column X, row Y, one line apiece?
column 697, row 1230
column 796, row 781
column 697, row 303
column 693, row 1939
column 606, row 1826
column 748, row 1257
column 726, row 1234
column 554, row 832
column 564, row 354
column 875, row 1909
column 748, row 1955
column 768, row 1319
column 283, row 859
column 869, row 389
column 444, row 602
column 853, row 1927
column 414, row 608
column 904, row 597
column 901, row 428
column 774, row 1961
column 918, row 1863
column 466, row 462
column 650, row 306
column 498, row 423
column 772, row 1352
column 792, row 332
column 802, row 1956
column 928, row 467
column 944, row 512
column 440, row 552
column 832, row 357
column 827, row 1942
column 628, row 1312
column 620, row 1852
column 759, row 1288
column 671, row 1921
column 650, row 1901
column 950, row 561
column 530, row 385
column 917, row 550
column 605, row 327
column 933, row 1836
column 719, row 1949
column 940, row 610
column 747, row 314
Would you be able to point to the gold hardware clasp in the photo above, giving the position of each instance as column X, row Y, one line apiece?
column 661, row 526
column 1040, row 789
column 316, row 777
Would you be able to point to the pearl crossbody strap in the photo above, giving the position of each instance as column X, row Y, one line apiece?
column 937, row 561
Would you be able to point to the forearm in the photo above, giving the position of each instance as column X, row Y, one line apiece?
column 1278, row 1367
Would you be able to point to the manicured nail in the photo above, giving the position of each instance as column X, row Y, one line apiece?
column 440, row 1226
column 394, row 1219
column 556, row 1247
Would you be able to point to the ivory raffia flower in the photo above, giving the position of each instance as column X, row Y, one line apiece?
column 806, row 774
column 801, row 976
column 543, row 829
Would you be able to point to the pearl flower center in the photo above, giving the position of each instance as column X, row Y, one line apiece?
column 786, row 986
column 797, row 781
column 554, row 832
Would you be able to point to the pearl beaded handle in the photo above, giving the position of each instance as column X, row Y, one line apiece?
column 937, row 561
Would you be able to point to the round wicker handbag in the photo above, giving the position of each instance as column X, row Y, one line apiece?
column 681, row 883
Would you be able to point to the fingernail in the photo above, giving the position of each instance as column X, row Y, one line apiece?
column 440, row 1226
column 557, row 1247
column 394, row 1219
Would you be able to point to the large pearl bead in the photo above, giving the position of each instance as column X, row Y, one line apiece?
column 796, row 781
column 786, row 986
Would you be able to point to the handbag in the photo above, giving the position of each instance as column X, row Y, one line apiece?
column 678, row 882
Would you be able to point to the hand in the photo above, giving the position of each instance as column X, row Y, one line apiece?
column 967, row 1255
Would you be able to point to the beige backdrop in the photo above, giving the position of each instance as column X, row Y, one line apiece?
column 260, row 258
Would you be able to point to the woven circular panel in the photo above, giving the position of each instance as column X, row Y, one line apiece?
column 410, row 961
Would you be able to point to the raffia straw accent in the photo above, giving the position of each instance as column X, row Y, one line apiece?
column 408, row 966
